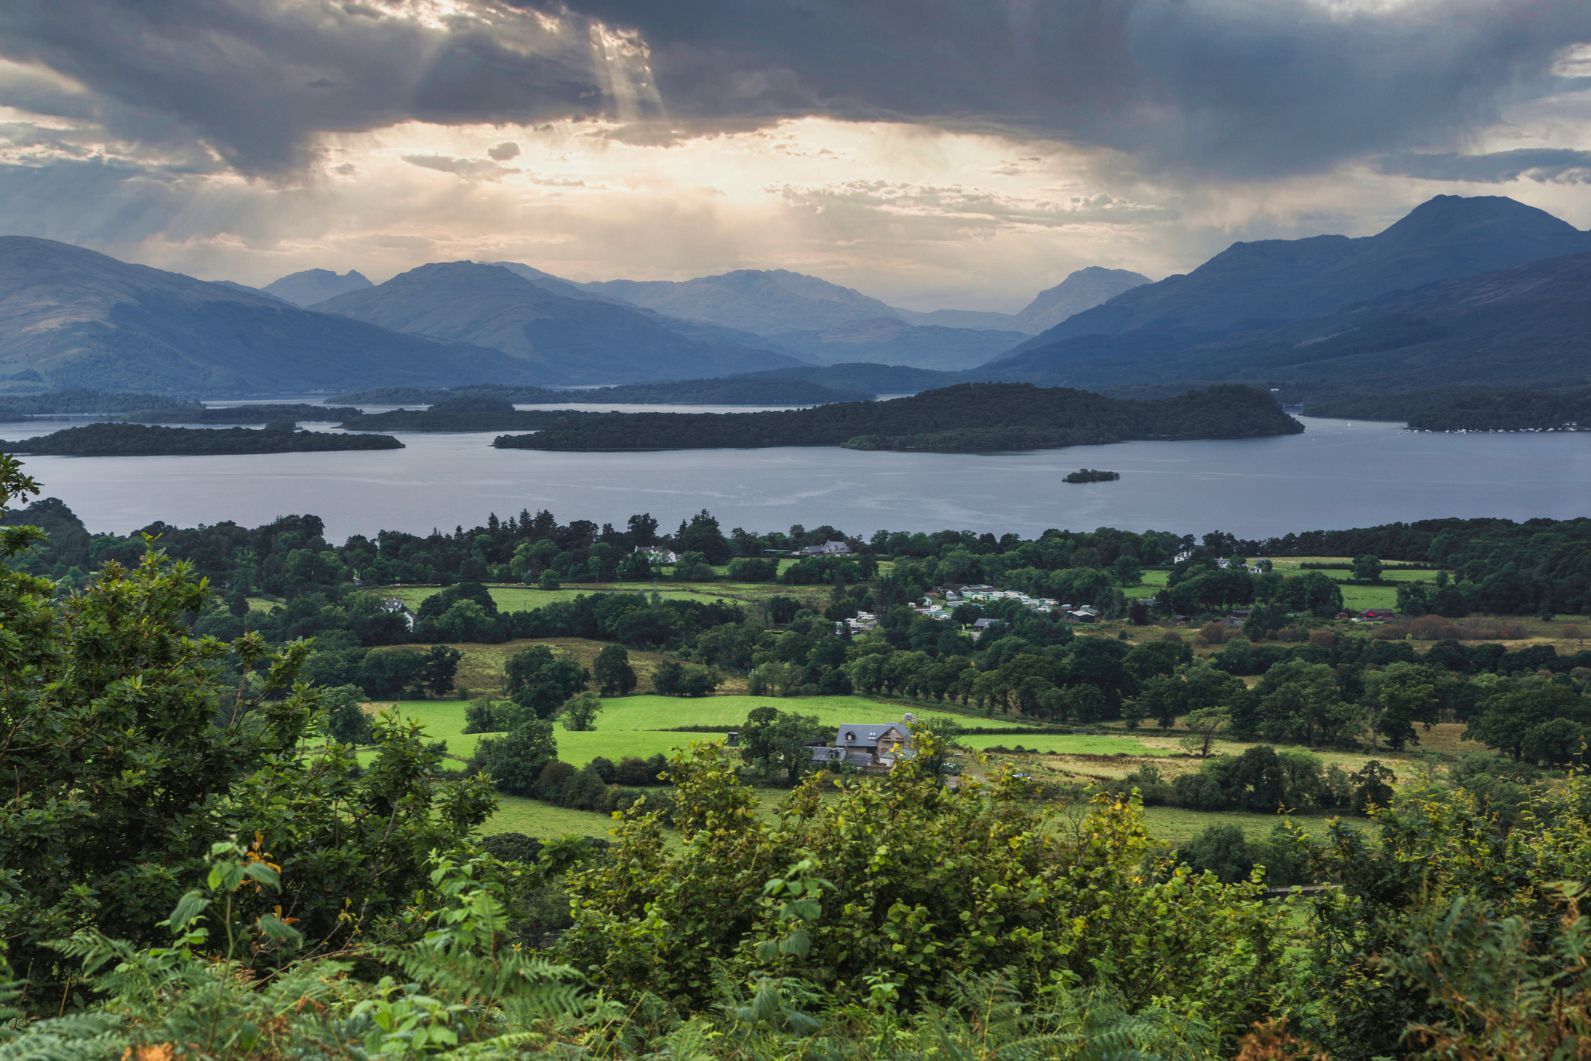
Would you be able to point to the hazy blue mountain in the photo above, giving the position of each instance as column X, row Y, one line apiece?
column 574, row 338
column 233, row 285
column 976, row 319
column 1529, row 326
column 1251, row 286
column 71, row 317
column 310, row 286
column 1081, row 290
column 891, row 341
column 874, row 378
column 554, row 284
column 761, row 301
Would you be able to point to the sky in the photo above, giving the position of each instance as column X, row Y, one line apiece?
column 928, row 152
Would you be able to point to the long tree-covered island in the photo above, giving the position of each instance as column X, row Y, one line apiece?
column 967, row 418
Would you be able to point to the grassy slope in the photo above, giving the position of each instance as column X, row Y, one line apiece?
column 482, row 667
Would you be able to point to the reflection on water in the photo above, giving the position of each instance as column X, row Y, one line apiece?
column 1337, row 474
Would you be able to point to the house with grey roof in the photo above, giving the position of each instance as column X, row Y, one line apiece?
column 869, row 746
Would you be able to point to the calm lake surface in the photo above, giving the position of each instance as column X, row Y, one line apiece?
column 1337, row 474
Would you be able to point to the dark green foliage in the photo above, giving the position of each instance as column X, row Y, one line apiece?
column 776, row 742
column 685, row 679
column 540, row 681
column 1091, row 475
column 612, row 672
column 345, row 717
column 514, row 762
column 132, row 748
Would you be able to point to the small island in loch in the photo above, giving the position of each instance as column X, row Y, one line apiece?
column 141, row 440
column 1091, row 475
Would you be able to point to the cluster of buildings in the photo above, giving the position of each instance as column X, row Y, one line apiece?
column 657, row 554
column 860, row 623
column 942, row 603
column 1224, row 563
column 836, row 548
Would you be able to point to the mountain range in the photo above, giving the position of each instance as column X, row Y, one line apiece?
column 1460, row 292
column 1459, row 286
column 565, row 336
column 825, row 322
column 71, row 317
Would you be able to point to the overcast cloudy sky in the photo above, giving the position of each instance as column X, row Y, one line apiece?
column 931, row 152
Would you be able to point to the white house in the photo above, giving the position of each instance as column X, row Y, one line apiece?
column 395, row 606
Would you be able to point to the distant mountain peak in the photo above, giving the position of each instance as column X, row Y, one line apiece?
column 1083, row 289
column 762, row 301
column 1460, row 213
column 309, row 286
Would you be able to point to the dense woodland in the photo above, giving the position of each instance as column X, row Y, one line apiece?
column 142, row 440
column 1468, row 410
column 969, row 417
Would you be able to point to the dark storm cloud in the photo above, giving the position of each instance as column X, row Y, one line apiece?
column 258, row 80
column 1217, row 87
column 1549, row 165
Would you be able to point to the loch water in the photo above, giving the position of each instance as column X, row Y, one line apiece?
column 1336, row 474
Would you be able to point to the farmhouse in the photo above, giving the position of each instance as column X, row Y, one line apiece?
column 657, row 554
column 395, row 606
column 872, row 746
column 836, row 548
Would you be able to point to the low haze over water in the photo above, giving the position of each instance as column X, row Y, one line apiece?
column 1337, row 474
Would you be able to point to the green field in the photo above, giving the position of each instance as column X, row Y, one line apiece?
column 1153, row 581
column 1357, row 598
column 641, row 725
column 516, row 814
column 1175, row 824
column 1062, row 743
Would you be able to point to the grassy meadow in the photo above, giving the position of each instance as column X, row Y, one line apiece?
column 645, row 725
